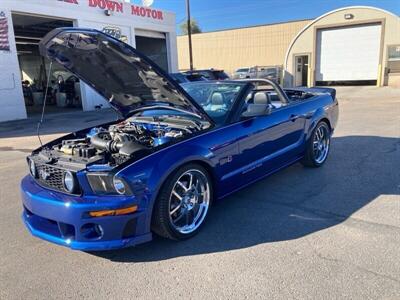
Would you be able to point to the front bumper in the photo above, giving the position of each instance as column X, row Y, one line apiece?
column 63, row 219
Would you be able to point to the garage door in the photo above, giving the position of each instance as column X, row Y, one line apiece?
column 348, row 53
column 154, row 45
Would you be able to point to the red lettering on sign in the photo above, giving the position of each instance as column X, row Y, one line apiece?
column 119, row 7
column 106, row 4
column 110, row 5
column 146, row 12
column 135, row 10
column 101, row 4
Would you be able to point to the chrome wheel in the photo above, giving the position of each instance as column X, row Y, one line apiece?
column 189, row 201
column 321, row 143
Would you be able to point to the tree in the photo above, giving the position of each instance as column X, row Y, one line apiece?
column 194, row 26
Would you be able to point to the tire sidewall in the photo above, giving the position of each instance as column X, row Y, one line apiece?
column 310, row 148
column 164, row 197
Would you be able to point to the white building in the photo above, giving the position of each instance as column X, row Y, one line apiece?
column 24, row 22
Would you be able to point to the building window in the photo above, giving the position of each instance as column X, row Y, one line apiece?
column 394, row 53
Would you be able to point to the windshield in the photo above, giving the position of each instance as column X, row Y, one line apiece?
column 208, row 75
column 180, row 78
column 216, row 99
column 242, row 70
column 195, row 77
column 220, row 75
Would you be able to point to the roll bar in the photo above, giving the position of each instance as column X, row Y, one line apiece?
column 281, row 94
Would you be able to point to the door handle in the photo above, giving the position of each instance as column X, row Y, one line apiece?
column 294, row 117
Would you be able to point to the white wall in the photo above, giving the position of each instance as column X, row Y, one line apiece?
column 11, row 98
column 12, row 106
column 90, row 98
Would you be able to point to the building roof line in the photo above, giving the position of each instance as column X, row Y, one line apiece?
column 252, row 26
column 323, row 16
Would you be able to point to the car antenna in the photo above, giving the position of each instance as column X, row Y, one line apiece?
column 44, row 105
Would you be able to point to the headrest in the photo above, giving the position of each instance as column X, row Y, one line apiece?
column 217, row 99
column 261, row 98
column 248, row 98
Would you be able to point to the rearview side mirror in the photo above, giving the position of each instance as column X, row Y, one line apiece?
column 255, row 110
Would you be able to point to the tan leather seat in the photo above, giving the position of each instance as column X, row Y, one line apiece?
column 217, row 102
column 262, row 98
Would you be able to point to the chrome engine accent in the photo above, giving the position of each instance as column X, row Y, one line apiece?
column 114, row 144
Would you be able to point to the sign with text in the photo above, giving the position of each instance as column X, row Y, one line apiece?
column 120, row 7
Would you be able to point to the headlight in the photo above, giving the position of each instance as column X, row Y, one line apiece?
column 69, row 182
column 107, row 184
column 119, row 186
column 32, row 168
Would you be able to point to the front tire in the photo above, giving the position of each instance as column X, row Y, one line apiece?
column 318, row 146
column 183, row 203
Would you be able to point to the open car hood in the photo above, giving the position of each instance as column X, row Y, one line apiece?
column 126, row 78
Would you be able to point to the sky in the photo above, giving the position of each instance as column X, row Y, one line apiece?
column 222, row 14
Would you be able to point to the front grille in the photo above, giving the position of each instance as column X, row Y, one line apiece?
column 51, row 177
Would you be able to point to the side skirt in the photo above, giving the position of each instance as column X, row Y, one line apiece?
column 262, row 177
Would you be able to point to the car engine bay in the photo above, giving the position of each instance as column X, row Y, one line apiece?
column 117, row 143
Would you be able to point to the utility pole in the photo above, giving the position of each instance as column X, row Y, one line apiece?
column 189, row 30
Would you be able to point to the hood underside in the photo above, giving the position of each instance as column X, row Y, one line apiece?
column 128, row 80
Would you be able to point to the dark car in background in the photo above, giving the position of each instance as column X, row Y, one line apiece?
column 183, row 77
column 210, row 74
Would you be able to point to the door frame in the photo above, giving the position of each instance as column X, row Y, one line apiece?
column 308, row 54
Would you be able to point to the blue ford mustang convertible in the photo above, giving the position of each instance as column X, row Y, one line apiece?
column 174, row 150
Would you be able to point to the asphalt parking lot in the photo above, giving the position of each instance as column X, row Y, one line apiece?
column 325, row 233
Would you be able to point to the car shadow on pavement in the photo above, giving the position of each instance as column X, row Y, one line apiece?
column 290, row 204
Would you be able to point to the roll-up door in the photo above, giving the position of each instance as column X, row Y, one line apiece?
column 348, row 53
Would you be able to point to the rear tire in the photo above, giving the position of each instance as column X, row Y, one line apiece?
column 318, row 146
column 183, row 203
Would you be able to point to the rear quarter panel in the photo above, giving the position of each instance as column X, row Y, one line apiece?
column 320, row 107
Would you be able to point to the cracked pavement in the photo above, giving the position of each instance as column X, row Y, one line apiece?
column 325, row 233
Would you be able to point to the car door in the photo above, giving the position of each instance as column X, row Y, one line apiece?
column 267, row 143
column 264, row 144
column 271, row 142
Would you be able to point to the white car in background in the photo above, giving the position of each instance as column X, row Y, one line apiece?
column 243, row 73
column 268, row 72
